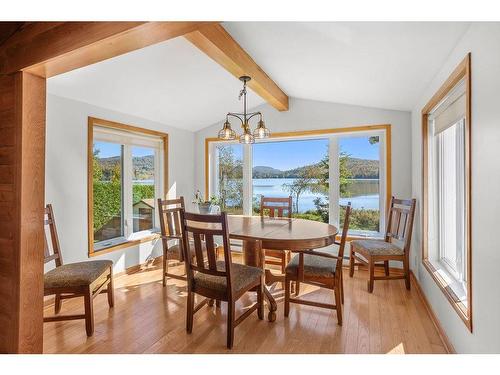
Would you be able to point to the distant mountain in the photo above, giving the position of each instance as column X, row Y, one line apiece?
column 261, row 171
column 359, row 168
column 143, row 166
column 363, row 168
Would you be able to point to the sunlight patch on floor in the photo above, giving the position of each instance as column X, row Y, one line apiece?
column 398, row 349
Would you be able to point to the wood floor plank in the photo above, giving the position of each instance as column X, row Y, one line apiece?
column 148, row 318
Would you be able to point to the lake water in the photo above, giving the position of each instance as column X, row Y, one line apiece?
column 361, row 193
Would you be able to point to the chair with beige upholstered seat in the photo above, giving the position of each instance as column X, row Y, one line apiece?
column 395, row 246
column 86, row 279
column 321, row 267
column 219, row 280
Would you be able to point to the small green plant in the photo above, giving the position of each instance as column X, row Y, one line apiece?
column 198, row 199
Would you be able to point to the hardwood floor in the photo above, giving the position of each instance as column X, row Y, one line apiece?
column 148, row 318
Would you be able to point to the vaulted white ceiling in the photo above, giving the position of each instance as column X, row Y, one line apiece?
column 173, row 83
column 385, row 65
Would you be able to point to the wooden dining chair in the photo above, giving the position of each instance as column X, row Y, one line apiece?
column 276, row 207
column 395, row 246
column 170, row 225
column 320, row 267
column 213, row 279
column 71, row 280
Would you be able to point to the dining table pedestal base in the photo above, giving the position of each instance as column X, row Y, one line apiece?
column 253, row 255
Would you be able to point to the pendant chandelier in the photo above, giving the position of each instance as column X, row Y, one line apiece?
column 261, row 132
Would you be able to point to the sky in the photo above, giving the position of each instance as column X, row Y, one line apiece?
column 280, row 155
column 107, row 150
column 292, row 154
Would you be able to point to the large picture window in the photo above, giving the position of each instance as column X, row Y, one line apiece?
column 321, row 170
column 446, row 176
column 127, row 171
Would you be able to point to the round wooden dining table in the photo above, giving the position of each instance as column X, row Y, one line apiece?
column 259, row 233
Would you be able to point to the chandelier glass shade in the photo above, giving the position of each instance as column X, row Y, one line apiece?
column 247, row 137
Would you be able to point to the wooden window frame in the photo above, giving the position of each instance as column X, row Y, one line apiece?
column 461, row 72
column 93, row 121
column 325, row 132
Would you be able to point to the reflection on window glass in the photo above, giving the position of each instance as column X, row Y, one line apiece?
column 359, row 181
column 293, row 168
column 230, row 178
column 107, row 191
column 143, row 188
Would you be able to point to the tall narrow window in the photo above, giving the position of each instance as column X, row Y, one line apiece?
column 126, row 173
column 143, row 187
column 359, row 160
column 107, row 167
column 229, row 166
column 446, row 226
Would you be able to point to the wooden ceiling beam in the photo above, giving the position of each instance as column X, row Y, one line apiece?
column 50, row 48
column 220, row 46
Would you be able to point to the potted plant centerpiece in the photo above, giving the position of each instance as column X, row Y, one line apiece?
column 205, row 206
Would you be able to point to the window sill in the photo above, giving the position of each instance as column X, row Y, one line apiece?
column 134, row 240
column 451, row 290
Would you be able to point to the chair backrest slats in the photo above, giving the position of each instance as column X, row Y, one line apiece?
column 206, row 226
column 400, row 221
column 273, row 204
column 198, row 250
column 169, row 213
column 211, row 251
column 53, row 238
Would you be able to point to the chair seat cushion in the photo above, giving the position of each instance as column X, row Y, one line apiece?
column 314, row 266
column 76, row 274
column 376, row 247
column 242, row 276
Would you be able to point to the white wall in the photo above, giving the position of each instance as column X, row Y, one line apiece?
column 66, row 175
column 483, row 41
column 311, row 115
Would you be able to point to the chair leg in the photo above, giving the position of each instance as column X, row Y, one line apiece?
column 111, row 291
column 342, row 288
column 386, row 267
column 260, row 299
column 351, row 263
column 283, row 262
column 230, row 324
column 57, row 304
column 338, row 304
column 371, row 268
column 287, row 296
column 190, row 312
column 406, row 268
column 297, row 288
column 89, row 313
column 165, row 268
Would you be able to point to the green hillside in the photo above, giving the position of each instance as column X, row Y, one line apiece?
column 358, row 168
column 143, row 167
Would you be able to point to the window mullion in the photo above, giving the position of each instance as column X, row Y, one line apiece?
column 158, row 181
column 382, row 185
column 127, row 191
column 247, row 179
column 334, row 179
